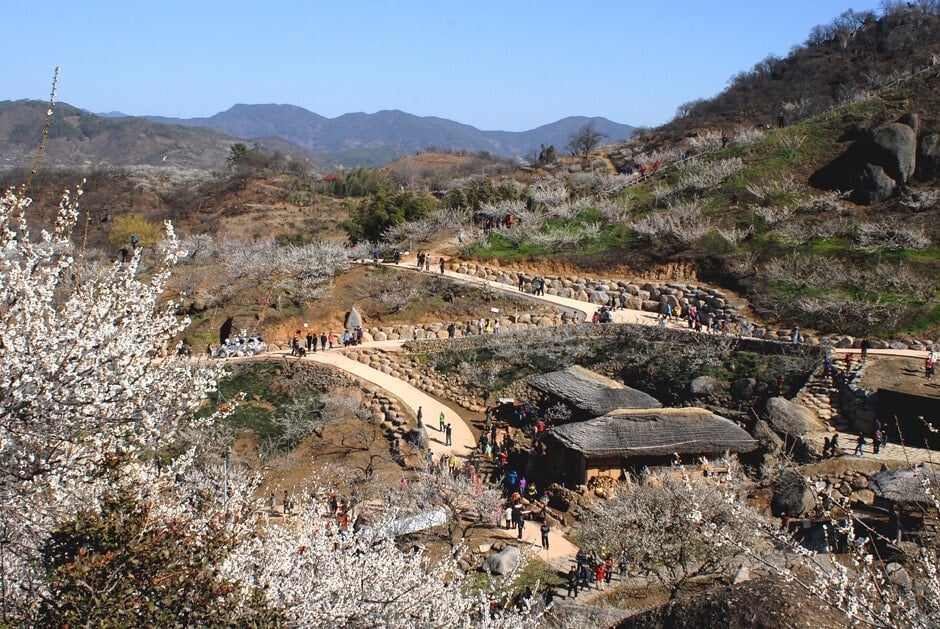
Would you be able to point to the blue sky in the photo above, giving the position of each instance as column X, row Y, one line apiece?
column 510, row 65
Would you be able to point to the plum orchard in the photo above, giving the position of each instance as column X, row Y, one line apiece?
column 100, row 525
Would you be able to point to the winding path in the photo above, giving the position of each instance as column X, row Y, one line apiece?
column 462, row 439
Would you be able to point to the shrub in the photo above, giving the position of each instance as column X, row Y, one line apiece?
column 148, row 232
column 373, row 217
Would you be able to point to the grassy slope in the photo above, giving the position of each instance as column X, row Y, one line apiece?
column 792, row 153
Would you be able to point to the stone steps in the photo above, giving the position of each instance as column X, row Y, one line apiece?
column 819, row 396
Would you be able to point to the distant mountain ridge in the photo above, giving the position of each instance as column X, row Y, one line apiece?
column 372, row 139
column 79, row 138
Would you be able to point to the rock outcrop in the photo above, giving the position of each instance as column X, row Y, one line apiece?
column 505, row 561
column 792, row 495
column 881, row 160
column 928, row 157
column 790, row 419
column 894, row 148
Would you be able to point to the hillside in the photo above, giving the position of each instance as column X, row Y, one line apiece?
column 79, row 139
column 803, row 219
column 740, row 213
column 855, row 53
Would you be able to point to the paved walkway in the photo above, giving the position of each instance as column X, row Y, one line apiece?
column 560, row 553
column 461, row 436
column 584, row 309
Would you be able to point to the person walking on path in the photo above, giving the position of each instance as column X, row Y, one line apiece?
column 420, row 414
column 441, row 418
column 860, row 445
column 573, row 582
column 448, row 435
column 441, row 263
column 600, row 577
column 545, row 530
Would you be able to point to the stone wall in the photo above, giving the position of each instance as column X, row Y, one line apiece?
column 466, row 327
column 641, row 295
column 851, row 485
column 653, row 297
column 857, row 406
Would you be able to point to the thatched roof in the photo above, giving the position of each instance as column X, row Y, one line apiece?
column 654, row 432
column 906, row 486
column 590, row 392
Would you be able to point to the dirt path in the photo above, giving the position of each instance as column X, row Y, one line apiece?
column 560, row 553
column 584, row 309
column 462, row 438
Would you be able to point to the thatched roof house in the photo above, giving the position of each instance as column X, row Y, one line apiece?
column 590, row 394
column 906, row 487
column 632, row 438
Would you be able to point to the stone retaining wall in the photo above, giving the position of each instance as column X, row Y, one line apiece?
column 464, row 327
column 646, row 296
column 653, row 297
column 857, row 405
column 850, row 484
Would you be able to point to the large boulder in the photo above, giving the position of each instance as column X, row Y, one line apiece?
column 928, row 157
column 792, row 495
column 505, row 561
column 418, row 437
column 873, row 185
column 705, row 387
column 791, row 419
column 894, row 148
column 766, row 437
column 353, row 319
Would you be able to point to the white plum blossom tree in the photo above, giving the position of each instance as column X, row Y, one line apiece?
column 320, row 576
column 88, row 385
column 675, row 524
column 100, row 524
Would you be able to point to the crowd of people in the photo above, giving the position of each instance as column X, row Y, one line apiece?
column 302, row 343
column 424, row 262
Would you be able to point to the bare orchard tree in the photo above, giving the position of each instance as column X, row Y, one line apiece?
column 305, row 270
column 469, row 502
column 684, row 222
column 585, row 140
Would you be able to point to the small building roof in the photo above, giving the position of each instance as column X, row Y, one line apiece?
column 654, row 432
column 590, row 392
column 907, row 486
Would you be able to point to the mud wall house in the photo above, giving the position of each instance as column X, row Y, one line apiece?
column 630, row 439
column 587, row 394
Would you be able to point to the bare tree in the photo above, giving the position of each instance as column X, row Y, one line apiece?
column 468, row 503
column 585, row 140
column 674, row 525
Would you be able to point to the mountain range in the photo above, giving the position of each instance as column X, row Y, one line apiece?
column 79, row 137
